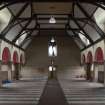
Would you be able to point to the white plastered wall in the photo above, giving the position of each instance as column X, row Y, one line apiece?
column 23, row 54
column 83, row 53
column 97, row 68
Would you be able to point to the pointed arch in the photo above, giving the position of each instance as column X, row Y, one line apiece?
column 6, row 56
column 15, row 57
column 99, row 56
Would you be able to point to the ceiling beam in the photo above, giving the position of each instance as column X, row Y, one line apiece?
column 84, row 12
column 6, row 40
column 6, row 4
column 28, row 36
column 13, row 20
column 76, row 35
column 60, row 23
column 47, row 18
column 57, row 18
column 31, row 31
column 40, row 1
column 99, row 4
column 19, row 34
column 18, row 22
column 97, row 41
column 74, row 29
column 86, row 34
column 93, row 23
column 31, row 5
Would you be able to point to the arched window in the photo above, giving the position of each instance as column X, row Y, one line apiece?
column 99, row 57
column 89, row 57
column 15, row 57
column 6, row 56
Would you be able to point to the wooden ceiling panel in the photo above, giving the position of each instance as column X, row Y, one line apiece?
column 52, row 8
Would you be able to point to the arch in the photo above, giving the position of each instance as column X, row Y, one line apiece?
column 15, row 57
column 83, row 58
column 99, row 56
column 89, row 57
column 6, row 56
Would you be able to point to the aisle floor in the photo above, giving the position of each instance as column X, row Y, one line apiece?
column 53, row 94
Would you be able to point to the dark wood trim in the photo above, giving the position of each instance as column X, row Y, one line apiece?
column 86, row 34
column 97, row 41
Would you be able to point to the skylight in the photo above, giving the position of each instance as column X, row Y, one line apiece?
column 21, row 38
column 84, row 39
column 5, row 17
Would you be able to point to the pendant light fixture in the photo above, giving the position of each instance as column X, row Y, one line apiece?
column 52, row 20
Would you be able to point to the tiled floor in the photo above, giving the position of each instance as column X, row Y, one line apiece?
column 82, row 92
column 22, row 92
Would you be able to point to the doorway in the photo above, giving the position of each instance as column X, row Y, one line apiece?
column 99, row 73
column 16, row 71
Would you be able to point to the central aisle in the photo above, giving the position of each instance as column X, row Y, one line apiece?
column 53, row 94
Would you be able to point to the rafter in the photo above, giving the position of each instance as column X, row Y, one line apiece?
column 6, row 40
column 18, row 22
column 76, row 35
column 98, row 4
column 6, row 4
column 86, row 34
column 28, row 36
column 47, row 18
column 84, row 12
column 25, row 39
column 73, row 5
column 25, row 28
column 19, row 34
column 31, row 8
column 91, row 20
column 17, row 1
column 97, row 41
column 13, row 20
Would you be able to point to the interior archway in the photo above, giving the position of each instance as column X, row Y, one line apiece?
column 6, row 64
column 99, row 67
column 16, row 65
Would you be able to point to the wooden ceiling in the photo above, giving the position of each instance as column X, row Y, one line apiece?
column 52, row 8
